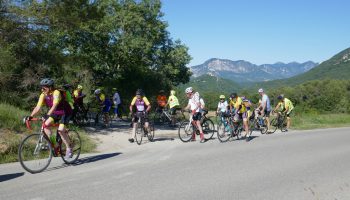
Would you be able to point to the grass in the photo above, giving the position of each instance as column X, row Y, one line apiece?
column 315, row 121
column 12, row 131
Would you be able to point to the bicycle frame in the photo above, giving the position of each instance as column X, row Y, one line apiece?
column 43, row 134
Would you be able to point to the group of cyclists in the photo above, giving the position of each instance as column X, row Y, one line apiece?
column 241, row 109
column 62, row 105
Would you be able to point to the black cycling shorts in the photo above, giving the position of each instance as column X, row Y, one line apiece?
column 138, row 115
column 62, row 119
column 197, row 116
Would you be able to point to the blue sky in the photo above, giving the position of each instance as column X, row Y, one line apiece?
column 260, row 31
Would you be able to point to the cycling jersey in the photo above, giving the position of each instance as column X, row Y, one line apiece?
column 286, row 103
column 194, row 102
column 238, row 105
column 265, row 100
column 77, row 97
column 173, row 101
column 140, row 104
column 54, row 98
column 222, row 106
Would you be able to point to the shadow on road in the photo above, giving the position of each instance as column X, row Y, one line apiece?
column 95, row 158
column 7, row 177
column 163, row 139
column 89, row 159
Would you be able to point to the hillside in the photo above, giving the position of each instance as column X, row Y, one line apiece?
column 337, row 67
column 244, row 71
column 210, row 84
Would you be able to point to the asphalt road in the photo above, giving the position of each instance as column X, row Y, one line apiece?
column 297, row 165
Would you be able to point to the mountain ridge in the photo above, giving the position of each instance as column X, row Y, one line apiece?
column 245, row 71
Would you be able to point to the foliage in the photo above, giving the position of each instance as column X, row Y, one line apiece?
column 122, row 44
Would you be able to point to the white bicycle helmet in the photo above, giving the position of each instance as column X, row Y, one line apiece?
column 98, row 91
column 189, row 90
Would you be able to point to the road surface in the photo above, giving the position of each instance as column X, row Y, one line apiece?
column 297, row 165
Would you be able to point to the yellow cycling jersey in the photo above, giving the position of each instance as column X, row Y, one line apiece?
column 286, row 104
column 237, row 103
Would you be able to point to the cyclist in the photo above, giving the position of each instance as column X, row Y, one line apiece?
column 195, row 106
column 286, row 106
column 142, row 106
column 116, row 101
column 68, row 94
column 161, row 101
column 173, row 103
column 79, row 97
column 105, row 103
column 59, row 111
column 222, row 106
column 265, row 107
column 240, row 112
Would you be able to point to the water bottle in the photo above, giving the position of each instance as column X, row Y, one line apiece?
column 53, row 139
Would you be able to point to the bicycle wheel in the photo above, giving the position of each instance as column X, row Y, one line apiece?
column 283, row 125
column 263, row 127
column 224, row 132
column 273, row 125
column 75, row 143
column 150, row 134
column 208, row 128
column 185, row 131
column 35, row 153
column 139, row 133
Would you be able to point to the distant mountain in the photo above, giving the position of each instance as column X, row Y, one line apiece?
column 210, row 84
column 337, row 67
column 243, row 71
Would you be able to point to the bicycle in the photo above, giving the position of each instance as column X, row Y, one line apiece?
column 36, row 150
column 279, row 123
column 141, row 131
column 164, row 117
column 187, row 128
column 228, row 129
column 81, row 116
column 258, row 123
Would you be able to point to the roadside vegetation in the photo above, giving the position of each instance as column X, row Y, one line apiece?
column 12, row 131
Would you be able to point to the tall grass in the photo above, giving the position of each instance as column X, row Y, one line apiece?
column 12, row 131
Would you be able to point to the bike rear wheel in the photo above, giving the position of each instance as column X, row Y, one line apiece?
column 224, row 132
column 35, row 153
column 208, row 128
column 283, row 125
column 185, row 131
column 139, row 133
column 75, row 144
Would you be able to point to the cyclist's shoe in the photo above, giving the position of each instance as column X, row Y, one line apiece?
column 202, row 138
column 69, row 153
column 131, row 140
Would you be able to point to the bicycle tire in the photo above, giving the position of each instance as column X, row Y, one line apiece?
column 150, row 134
column 208, row 128
column 273, row 125
column 31, row 145
column 283, row 125
column 185, row 131
column 139, row 133
column 223, row 132
column 75, row 142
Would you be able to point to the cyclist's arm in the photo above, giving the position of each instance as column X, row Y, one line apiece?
column 277, row 106
column 147, row 104
column 286, row 108
column 38, row 105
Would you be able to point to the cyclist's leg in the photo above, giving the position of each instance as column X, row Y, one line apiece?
column 289, row 121
column 197, row 118
column 47, row 124
column 134, row 123
column 63, row 133
column 267, row 117
column 244, row 117
column 146, row 122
